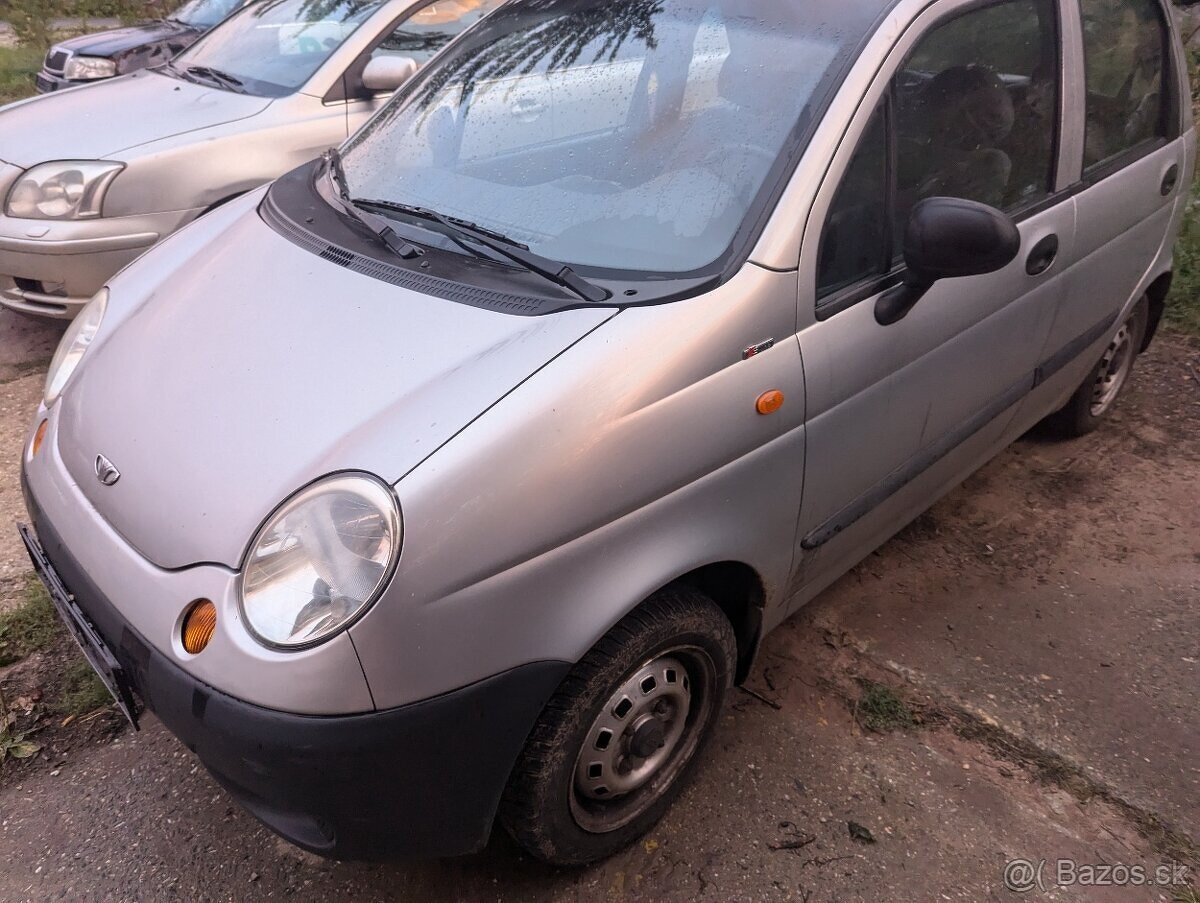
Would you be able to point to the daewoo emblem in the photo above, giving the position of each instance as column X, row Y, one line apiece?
column 106, row 473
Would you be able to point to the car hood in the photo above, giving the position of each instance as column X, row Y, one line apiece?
column 241, row 367
column 118, row 40
column 79, row 124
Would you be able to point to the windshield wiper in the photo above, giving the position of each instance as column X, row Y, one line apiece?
column 462, row 232
column 382, row 231
column 232, row 82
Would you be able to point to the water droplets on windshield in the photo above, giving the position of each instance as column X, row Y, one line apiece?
column 625, row 134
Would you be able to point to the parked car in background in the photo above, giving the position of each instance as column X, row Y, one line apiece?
column 459, row 475
column 104, row 54
column 91, row 178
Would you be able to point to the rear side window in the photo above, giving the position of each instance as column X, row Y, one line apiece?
column 1125, row 56
column 973, row 113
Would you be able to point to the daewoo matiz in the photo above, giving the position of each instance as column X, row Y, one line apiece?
column 456, row 477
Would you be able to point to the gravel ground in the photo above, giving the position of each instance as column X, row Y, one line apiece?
column 1040, row 623
column 26, row 346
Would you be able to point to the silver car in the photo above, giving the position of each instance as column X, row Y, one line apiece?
column 457, row 477
column 90, row 178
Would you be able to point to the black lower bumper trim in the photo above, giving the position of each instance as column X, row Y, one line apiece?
column 422, row 780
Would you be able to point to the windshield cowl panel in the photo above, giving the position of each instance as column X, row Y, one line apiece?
column 304, row 207
column 273, row 47
column 633, row 139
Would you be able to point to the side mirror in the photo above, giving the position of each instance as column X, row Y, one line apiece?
column 385, row 74
column 947, row 238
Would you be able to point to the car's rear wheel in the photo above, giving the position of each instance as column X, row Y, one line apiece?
column 1095, row 398
column 612, row 748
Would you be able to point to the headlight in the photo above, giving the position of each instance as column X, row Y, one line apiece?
column 85, row 68
column 74, row 345
column 320, row 561
column 68, row 189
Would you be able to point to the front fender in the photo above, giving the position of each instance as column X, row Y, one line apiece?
column 633, row 458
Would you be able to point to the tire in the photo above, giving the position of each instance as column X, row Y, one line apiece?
column 672, row 660
column 1096, row 397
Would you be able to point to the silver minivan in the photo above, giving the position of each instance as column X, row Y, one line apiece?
column 456, row 477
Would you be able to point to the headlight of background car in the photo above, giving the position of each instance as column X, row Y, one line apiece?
column 320, row 561
column 84, row 68
column 74, row 345
column 68, row 189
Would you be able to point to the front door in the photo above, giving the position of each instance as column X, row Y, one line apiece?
column 968, row 106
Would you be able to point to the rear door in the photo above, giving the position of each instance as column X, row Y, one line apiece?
column 1133, row 172
column 968, row 106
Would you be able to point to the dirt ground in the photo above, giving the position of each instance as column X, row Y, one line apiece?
column 1040, row 625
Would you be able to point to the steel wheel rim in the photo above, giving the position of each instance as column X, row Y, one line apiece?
column 612, row 783
column 1114, row 370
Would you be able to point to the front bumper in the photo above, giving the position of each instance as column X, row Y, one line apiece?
column 47, row 82
column 421, row 780
column 52, row 269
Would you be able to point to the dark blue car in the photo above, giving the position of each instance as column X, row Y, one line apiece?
column 90, row 57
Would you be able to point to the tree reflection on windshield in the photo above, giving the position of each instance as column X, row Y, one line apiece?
column 547, row 35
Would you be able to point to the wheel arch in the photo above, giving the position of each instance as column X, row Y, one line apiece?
column 737, row 589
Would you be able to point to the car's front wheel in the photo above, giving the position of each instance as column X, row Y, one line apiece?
column 1094, row 400
column 610, row 751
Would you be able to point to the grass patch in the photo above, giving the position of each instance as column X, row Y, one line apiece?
column 18, row 65
column 1183, row 304
column 82, row 691
column 30, row 626
column 879, row 710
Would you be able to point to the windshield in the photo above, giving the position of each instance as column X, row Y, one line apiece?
column 631, row 135
column 272, row 47
column 204, row 13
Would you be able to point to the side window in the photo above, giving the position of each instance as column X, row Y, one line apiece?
column 854, row 243
column 432, row 27
column 973, row 113
column 1125, row 56
column 977, row 108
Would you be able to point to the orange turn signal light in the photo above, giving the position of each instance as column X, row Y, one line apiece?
column 769, row 402
column 199, row 624
column 40, row 436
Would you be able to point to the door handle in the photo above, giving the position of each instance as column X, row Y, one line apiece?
column 527, row 109
column 1170, row 180
column 1043, row 255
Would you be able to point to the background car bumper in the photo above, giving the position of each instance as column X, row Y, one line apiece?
column 47, row 81
column 420, row 780
column 56, row 272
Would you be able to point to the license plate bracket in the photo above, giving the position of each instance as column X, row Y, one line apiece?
column 95, row 650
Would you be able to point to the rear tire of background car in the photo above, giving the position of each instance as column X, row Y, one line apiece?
column 1094, row 400
column 613, row 747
